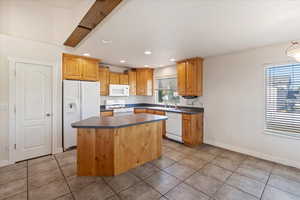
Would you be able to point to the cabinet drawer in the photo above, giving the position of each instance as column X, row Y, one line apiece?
column 107, row 113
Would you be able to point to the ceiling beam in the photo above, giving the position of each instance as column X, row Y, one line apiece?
column 99, row 10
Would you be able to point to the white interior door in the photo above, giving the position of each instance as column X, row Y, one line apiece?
column 33, row 111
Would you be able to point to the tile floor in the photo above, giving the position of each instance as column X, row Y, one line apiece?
column 202, row 173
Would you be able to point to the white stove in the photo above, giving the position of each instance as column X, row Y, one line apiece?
column 119, row 107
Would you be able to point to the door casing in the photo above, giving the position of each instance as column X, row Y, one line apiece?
column 56, row 81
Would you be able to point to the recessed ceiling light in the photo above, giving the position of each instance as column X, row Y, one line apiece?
column 147, row 52
column 106, row 41
column 172, row 59
column 122, row 61
column 146, row 65
column 86, row 54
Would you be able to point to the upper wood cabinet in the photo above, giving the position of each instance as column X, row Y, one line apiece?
column 124, row 79
column 144, row 82
column 114, row 78
column 132, row 82
column 190, row 77
column 80, row 68
column 104, row 80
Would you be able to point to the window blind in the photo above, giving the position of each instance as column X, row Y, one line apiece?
column 282, row 90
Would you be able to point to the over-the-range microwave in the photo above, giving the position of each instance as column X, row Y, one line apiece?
column 118, row 90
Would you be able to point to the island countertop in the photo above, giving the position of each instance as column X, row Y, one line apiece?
column 118, row 121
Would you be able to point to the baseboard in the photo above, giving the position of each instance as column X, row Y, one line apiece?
column 255, row 154
column 5, row 163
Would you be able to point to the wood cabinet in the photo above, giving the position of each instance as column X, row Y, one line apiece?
column 144, row 82
column 140, row 110
column 107, row 113
column 124, row 79
column 190, row 77
column 132, row 82
column 192, row 129
column 80, row 68
column 114, row 78
column 104, row 81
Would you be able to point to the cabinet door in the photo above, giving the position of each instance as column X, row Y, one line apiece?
column 144, row 83
column 107, row 114
column 151, row 111
column 181, row 78
column 114, row 78
column 192, row 74
column 186, row 131
column 90, row 69
column 72, row 68
column 104, row 81
column 124, row 79
column 140, row 110
column 132, row 82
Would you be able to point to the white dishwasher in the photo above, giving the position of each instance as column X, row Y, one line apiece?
column 174, row 126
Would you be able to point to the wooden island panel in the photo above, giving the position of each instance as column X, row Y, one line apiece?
column 109, row 152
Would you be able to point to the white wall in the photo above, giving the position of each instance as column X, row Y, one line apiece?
column 19, row 48
column 234, row 105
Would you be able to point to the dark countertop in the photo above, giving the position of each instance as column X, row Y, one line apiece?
column 179, row 109
column 118, row 121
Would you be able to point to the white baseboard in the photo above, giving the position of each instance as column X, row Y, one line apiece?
column 5, row 163
column 255, row 154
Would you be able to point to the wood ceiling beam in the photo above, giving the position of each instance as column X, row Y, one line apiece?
column 99, row 10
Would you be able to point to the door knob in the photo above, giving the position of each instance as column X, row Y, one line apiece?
column 48, row 115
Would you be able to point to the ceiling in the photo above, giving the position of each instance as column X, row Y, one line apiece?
column 186, row 28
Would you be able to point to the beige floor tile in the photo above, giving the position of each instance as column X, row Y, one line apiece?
column 42, row 167
column 69, row 170
column 234, row 156
column 141, row 191
column 20, row 196
column 204, row 156
column 66, row 197
column 14, row 167
column 246, row 184
column 255, row 173
column 204, row 183
column 163, row 162
column 284, row 184
column 271, row 193
column 40, row 160
column 95, row 191
column 44, row 178
column 175, row 155
column 185, row 192
column 211, row 149
column 259, row 164
column 226, row 163
column 12, row 175
column 288, row 172
column 122, row 181
column 115, row 197
column 12, row 188
column 193, row 162
column 162, row 182
column 180, row 171
column 49, row 191
column 229, row 193
column 216, row 172
column 145, row 170
column 78, row 182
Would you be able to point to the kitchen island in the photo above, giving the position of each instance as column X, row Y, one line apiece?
column 108, row 146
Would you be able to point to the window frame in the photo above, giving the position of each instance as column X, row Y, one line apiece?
column 285, row 134
column 156, row 89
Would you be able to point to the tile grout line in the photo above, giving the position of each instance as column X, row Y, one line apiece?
column 65, row 179
column 266, row 185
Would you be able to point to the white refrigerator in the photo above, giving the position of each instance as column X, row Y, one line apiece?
column 81, row 100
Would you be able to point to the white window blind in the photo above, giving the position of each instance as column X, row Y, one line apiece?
column 282, row 85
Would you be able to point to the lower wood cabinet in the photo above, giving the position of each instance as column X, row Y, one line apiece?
column 192, row 129
column 107, row 113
